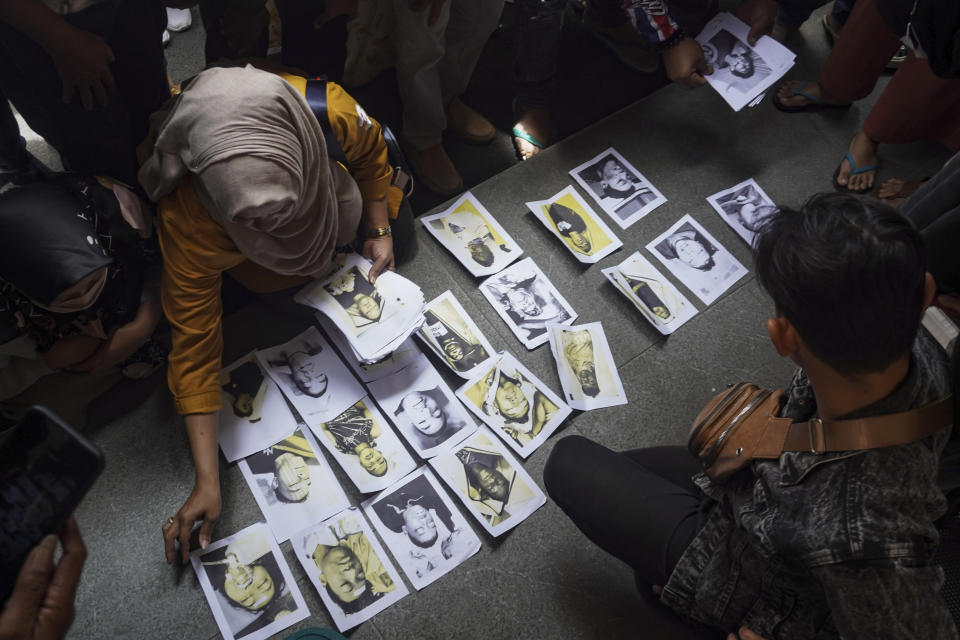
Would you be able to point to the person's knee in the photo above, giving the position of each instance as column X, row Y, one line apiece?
column 563, row 463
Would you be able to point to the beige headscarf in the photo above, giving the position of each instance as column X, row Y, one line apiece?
column 261, row 169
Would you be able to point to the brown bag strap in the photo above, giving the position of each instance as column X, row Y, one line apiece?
column 819, row 436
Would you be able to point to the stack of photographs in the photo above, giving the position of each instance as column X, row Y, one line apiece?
column 348, row 568
column 745, row 207
column 652, row 294
column 741, row 73
column 450, row 333
column 514, row 403
column 422, row 528
column 527, row 301
column 572, row 220
column 374, row 318
column 620, row 190
column 404, row 355
column 586, row 368
column 248, row 585
column 697, row 259
column 473, row 236
column 254, row 413
column 489, row 481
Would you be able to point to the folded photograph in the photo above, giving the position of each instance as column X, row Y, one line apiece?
column 407, row 353
column 652, row 294
column 365, row 447
column 620, row 190
column 293, row 484
column 348, row 567
column 423, row 408
column 588, row 373
column 370, row 316
column 745, row 207
column 254, row 413
column 248, row 585
column 697, row 259
column 741, row 73
column 527, row 301
column 312, row 376
column 489, row 482
column 515, row 404
column 422, row 528
column 450, row 333
column 473, row 236
column 571, row 219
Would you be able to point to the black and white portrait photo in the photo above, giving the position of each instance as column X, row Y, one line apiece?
column 349, row 568
column 697, row 259
column 489, row 481
column 618, row 187
column 651, row 292
column 734, row 62
column 524, row 298
column 745, row 207
column 588, row 373
column 453, row 336
column 248, row 585
column 254, row 414
column 312, row 376
column 366, row 447
column 292, row 484
column 422, row 528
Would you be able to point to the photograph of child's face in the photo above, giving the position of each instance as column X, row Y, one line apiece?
column 618, row 187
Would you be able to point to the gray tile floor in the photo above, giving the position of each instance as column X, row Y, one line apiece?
column 543, row 579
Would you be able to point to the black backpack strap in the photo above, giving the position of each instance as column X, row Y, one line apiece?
column 316, row 95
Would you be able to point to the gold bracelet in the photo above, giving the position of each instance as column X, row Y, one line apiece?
column 379, row 232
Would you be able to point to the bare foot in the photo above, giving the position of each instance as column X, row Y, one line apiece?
column 895, row 190
column 536, row 123
column 864, row 152
column 788, row 99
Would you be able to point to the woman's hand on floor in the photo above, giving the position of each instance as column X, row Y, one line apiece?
column 203, row 504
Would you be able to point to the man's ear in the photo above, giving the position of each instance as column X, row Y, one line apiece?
column 783, row 336
column 929, row 290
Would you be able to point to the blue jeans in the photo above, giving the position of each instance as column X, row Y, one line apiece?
column 536, row 44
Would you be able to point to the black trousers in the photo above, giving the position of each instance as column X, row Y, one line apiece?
column 935, row 210
column 640, row 506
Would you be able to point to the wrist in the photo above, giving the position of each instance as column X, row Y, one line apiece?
column 375, row 233
column 675, row 38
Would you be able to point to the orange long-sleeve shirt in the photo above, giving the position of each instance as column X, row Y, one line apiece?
column 197, row 250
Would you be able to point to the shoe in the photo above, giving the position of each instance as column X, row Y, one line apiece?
column 435, row 171
column 897, row 58
column 468, row 124
column 814, row 104
column 625, row 43
column 165, row 38
column 179, row 19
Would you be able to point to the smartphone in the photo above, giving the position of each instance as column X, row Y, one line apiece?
column 46, row 467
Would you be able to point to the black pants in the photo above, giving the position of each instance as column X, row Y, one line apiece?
column 935, row 210
column 640, row 506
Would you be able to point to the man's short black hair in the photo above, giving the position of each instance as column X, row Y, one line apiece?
column 849, row 274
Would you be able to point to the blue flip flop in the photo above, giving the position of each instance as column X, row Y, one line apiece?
column 815, row 104
column 854, row 170
column 523, row 135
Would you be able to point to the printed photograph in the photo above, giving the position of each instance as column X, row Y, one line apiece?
column 473, row 236
column 365, row 447
column 254, row 413
column 352, row 574
column 697, row 259
column 736, row 66
column 652, row 294
column 453, row 336
column 489, row 481
column 572, row 220
column 423, row 408
column 745, row 207
column 293, row 484
column 248, row 585
column 312, row 376
column 588, row 373
column 527, row 301
column 515, row 404
column 422, row 528
column 620, row 190
column 404, row 355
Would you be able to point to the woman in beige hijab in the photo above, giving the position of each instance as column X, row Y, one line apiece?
column 243, row 183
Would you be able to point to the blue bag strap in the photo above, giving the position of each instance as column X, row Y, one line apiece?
column 316, row 95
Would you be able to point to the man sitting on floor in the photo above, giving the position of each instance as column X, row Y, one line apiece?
column 807, row 545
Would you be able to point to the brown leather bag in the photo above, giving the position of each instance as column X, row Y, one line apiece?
column 742, row 424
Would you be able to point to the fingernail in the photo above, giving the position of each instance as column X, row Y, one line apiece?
column 203, row 543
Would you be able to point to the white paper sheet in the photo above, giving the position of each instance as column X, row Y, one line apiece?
column 453, row 336
column 618, row 187
column 745, row 207
column 588, row 373
column 575, row 224
column 655, row 297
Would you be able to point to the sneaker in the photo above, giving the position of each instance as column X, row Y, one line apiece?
column 897, row 58
column 179, row 19
column 625, row 43
column 468, row 124
column 165, row 38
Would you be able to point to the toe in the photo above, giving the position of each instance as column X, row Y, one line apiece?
column 843, row 177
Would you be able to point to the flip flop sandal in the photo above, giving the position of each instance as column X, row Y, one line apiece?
column 815, row 104
column 523, row 135
column 854, row 170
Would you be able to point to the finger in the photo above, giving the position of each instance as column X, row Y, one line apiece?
column 185, row 525
column 86, row 98
column 381, row 263
column 697, row 80
column 169, row 536
column 206, row 531
column 58, row 607
column 747, row 634
column 30, row 589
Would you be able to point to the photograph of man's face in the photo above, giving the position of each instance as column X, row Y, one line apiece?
column 510, row 399
column 489, row 481
column 306, row 374
column 292, row 476
column 424, row 412
column 341, row 571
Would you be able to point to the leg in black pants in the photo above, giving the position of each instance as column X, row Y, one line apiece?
column 639, row 506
